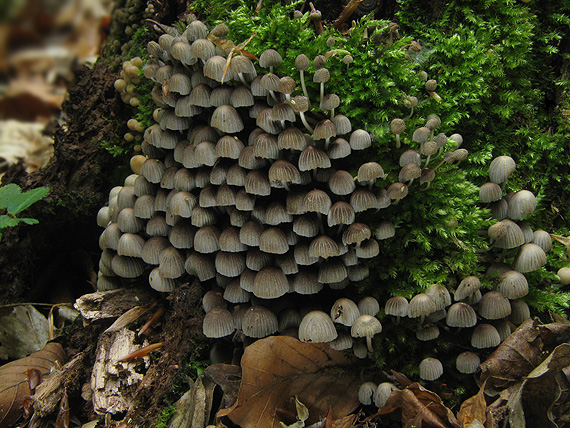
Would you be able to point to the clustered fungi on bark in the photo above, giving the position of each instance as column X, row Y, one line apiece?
column 242, row 185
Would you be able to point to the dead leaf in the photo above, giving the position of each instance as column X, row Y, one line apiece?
column 520, row 353
column 419, row 407
column 277, row 368
column 540, row 391
column 473, row 409
column 23, row 330
column 14, row 383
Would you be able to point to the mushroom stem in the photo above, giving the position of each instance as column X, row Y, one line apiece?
column 304, row 120
column 302, row 75
column 369, row 343
column 398, row 144
column 427, row 161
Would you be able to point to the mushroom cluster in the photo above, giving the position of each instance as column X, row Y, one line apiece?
column 491, row 314
column 248, row 186
column 236, row 188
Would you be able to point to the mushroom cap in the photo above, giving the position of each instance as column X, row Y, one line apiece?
column 291, row 138
column 521, row 204
column 485, row 336
column 217, row 323
column 397, row 306
column 426, row 332
column 397, row 126
column 366, row 392
column 226, row 119
column 513, row 284
column 258, row 321
column 542, row 239
column 270, row 58
column 369, row 171
column 274, row 241
column 356, row 233
column 270, row 283
column 230, row 264
column 430, row 369
column 467, row 362
column 360, row 139
column 382, row 393
column 317, row 327
column 344, row 311
column 341, row 183
column 512, row 237
column 490, row 192
column 520, row 312
column 440, row 295
column 501, row 168
column 529, row 258
column 494, row 305
column 365, row 326
column 461, row 315
column 368, row 306
column 421, row 305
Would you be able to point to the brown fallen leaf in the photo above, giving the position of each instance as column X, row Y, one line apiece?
column 278, row 368
column 520, row 353
column 419, row 407
column 540, row 390
column 14, row 384
column 474, row 408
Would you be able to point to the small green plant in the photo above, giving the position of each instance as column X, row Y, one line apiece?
column 14, row 202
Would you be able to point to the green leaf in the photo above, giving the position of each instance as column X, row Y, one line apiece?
column 12, row 198
column 29, row 220
column 7, row 221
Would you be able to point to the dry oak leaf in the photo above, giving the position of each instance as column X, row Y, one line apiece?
column 278, row 368
column 473, row 409
column 419, row 407
column 520, row 353
column 14, row 383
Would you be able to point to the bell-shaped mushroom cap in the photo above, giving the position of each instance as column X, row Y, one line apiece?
column 233, row 293
column 521, row 204
column 306, row 282
column 490, row 192
column 344, row 311
column 322, row 75
column 366, row 392
column 203, row 48
column 409, row 172
column 179, row 83
column 542, row 239
column 283, row 172
column 339, row 149
column 302, row 257
column 306, row 225
column 200, row 265
column 356, row 233
column 421, row 305
column 494, row 305
column 426, row 332
column 421, row 135
column 564, row 275
column 257, row 260
column 324, row 129
column 363, row 199
column 461, row 315
column 218, row 322
column 317, row 327
column 385, row 230
column 342, row 123
column 368, row 249
column 520, row 312
column 368, row 306
column 513, row 284
column 366, row 326
column 369, row 171
column 228, row 147
column 512, row 236
column 302, row 62
column 221, row 95
column 397, row 191
column 397, row 126
column 230, row 264
column 258, row 321
column 288, row 319
column 171, row 263
column 342, row 342
column 440, row 295
column 130, row 244
column 341, row 183
column 312, row 158
column 340, row 213
column 317, row 201
column 360, row 140
column 332, row 270
column 396, row 306
column 270, row 58
column 257, row 183
column 242, row 97
column 159, row 282
column 270, row 283
column 485, row 336
column 273, row 241
column 410, row 156
column 291, row 138
column 467, row 362
column 430, row 369
column 382, row 393
column 226, row 119
column 500, row 169
column 152, row 248
column 529, row 258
